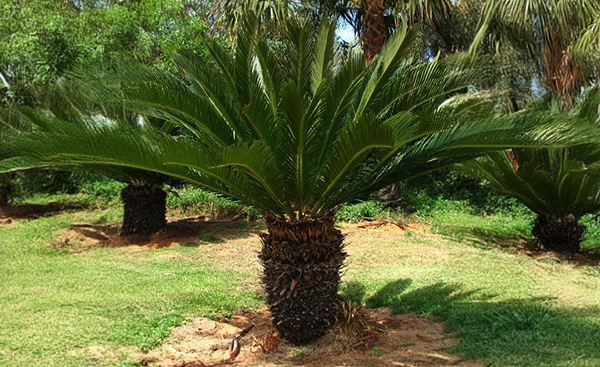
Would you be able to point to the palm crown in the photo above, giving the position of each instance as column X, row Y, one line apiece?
column 558, row 184
column 294, row 134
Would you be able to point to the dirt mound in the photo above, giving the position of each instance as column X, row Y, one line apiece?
column 403, row 340
column 530, row 247
column 580, row 259
column 84, row 236
column 395, row 226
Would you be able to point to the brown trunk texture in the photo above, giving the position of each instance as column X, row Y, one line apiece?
column 3, row 195
column 145, row 209
column 375, row 30
column 302, row 262
column 560, row 234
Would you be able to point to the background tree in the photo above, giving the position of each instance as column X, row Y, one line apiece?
column 548, row 30
column 42, row 41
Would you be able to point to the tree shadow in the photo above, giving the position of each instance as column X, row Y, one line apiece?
column 34, row 211
column 532, row 331
column 214, row 231
column 487, row 238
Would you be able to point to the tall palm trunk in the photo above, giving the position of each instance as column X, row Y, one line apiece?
column 302, row 262
column 3, row 195
column 560, row 234
column 145, row 209
column 563, row 77
column 374, row 36
column 375, row 30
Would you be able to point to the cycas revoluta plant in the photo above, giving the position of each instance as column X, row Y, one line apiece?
column 559, row 185
column 296, row 135
column 144, row 200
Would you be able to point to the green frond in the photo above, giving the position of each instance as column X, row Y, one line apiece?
column 294, row 134
column 552, row 181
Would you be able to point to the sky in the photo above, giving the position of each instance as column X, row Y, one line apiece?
column 345, row 32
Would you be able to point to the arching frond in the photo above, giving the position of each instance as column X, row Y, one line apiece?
column 554, row 182
column 297, row 134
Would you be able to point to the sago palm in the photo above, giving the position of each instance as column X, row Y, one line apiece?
column 144, row 201
column 559, row 185
column 296, row 135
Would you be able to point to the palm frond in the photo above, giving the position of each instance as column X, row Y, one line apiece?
column 296, row 134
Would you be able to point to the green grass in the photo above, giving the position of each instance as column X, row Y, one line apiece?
column 508, row 309
column 53, row 306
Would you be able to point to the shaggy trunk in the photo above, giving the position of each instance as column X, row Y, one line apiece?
column 563, row 77
column 3, row 195
column 145, row 209
column 560, row 234
column 302, row 262
column 375, row 30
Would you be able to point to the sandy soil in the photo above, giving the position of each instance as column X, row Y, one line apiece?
column 382, row 340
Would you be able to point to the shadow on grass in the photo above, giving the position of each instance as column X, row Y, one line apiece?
column 213, row 231
column 516, row 332
column 486, row 238
column 34, row 211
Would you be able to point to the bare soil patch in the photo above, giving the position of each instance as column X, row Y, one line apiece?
column 531, row 248
column 395, row 226
column 34, row 211
column 402, row 340
column 188, row 232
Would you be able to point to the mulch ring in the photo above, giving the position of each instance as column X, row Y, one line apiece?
column 583, row 258
column 249, row 339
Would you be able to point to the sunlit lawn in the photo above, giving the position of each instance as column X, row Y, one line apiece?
column 97, row 307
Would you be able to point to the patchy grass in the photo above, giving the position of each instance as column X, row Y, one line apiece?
column 96, row 307
column 56, row 307
column 508, row 308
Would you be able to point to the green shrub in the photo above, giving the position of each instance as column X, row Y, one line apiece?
column 592, row 233
column 360, row 211
column 48, row 181
column 450, row 190
column 103, row 191
column 192, row 200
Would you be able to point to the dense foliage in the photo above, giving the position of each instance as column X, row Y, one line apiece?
column 42, row 40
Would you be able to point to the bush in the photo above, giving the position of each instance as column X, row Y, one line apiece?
column 443, row 188
column 192, row 200
column 47, row 181
column 360, row 211
column 102, row 191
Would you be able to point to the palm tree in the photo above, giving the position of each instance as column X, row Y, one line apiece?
column 144, row 200
column 373, row 20
column 548, row 29
column 9, row 122
column 559, row 185
column 295, row 134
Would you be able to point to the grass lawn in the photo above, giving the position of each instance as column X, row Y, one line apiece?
column 65, row 309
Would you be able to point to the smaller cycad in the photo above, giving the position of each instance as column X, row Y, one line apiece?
column 559, row 185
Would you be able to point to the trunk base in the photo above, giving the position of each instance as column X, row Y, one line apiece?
column 560, row 234
column 3, row 195
column 145, row 209
column 302, row 262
